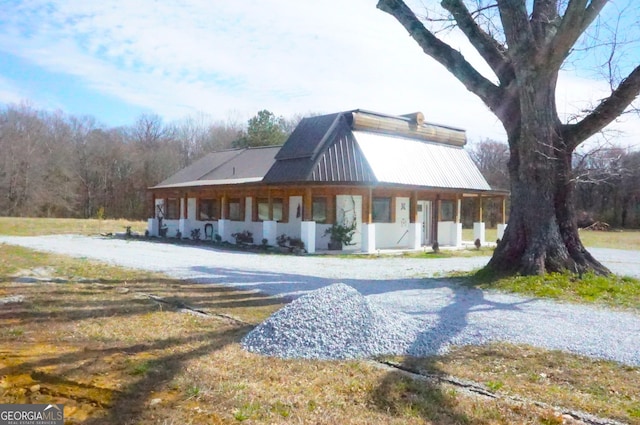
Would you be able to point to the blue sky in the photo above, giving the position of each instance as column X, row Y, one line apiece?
column 228, row 59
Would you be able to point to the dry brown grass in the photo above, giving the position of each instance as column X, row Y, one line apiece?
column 617, row 239
column 604, row 388
column 21, row 226
column 113, row 356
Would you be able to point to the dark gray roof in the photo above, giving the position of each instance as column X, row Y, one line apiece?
column 327, row 153
column 228, row 167
column 251, row 162
column 306, row 137
column 320, row 149
column 201, row 167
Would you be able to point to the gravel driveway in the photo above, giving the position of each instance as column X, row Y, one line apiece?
column 451, row 314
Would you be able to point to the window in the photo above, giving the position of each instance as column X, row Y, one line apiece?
column 263, row 209
column 173, row 209
column 208, row 209
column 319, row 210
column 278, row 209
column 446, row 211
column 236, row 210
column 381, row 212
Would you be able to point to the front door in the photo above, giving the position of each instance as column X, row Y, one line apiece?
column 424, row 218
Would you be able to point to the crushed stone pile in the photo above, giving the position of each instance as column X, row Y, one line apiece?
column 334, row 322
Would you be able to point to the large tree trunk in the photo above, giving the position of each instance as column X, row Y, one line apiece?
column 542, row 234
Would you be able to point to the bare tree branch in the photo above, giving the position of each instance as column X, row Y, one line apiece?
column 493, row 52
column 517, row 28
column 443, row 53
column 577, row 17
column 544, row 20
column 608, row 110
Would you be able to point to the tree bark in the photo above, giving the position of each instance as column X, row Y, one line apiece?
column 542, row 234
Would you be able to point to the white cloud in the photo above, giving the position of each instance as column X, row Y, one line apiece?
column 10, row 92
column 215, row 56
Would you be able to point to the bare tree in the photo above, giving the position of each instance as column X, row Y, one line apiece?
column 191, row 134
column 630, row 208
column 525, row 43
column 157, row 152
column 597, row 172
column 56, row 195
column 222, row 135
column 22, row 144
column 491, row 158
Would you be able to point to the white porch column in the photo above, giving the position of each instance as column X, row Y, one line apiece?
column 456, row 234
column 479, row 232
column 224, row 229
column 369, row 238
column 153, row 225
column 501, row 229
column 183, row 227
column 449, row 233
column 415, row 235
column 308, row 235
column 269, row 231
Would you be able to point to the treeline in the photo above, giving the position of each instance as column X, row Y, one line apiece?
column 58, row 165
column 607, row 182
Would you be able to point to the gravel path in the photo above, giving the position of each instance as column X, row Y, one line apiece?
column 447, row 313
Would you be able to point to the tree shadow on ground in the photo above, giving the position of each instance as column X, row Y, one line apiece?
column 130, row 404
column 398, row 392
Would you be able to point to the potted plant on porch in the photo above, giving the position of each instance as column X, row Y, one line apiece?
column 340, row 234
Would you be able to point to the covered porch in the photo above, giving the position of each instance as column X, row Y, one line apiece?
column 384, row 217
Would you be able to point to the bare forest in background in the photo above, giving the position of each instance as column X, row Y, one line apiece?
column 607, row 181
column 58, row 165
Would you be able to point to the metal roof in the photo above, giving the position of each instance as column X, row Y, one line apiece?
column 201, row 167
column 307, row 136
column 400, row 160
column 335, row 148
column 225, row 167
column 329, row 155
column 197, row 183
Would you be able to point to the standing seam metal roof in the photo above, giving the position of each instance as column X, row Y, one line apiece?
column 232, row 166
column 400, row 160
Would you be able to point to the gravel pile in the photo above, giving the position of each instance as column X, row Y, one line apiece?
column 338, row 322
column 335, row 322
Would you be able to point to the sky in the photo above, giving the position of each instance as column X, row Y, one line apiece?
column 115, row 60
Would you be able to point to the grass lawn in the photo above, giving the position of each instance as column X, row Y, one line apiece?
column 611, row 291
column 19, row 226
column 93, row 340
column 618, row 239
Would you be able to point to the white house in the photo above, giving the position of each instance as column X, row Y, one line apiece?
column 399, row 179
